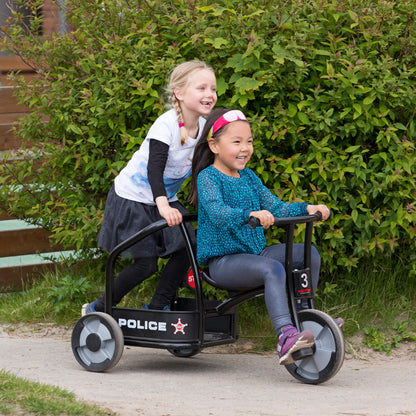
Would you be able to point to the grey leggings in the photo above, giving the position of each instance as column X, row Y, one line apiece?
column 246, row 271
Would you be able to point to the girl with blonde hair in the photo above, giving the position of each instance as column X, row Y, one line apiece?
column 146, row 189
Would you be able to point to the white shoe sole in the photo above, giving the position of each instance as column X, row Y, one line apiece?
column 84, row 309
column 298, row 345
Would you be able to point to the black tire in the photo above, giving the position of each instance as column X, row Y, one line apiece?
column 184, row 352
column 97, row 342
column 329, row 349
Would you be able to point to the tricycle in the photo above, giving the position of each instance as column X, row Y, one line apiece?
column 195, row 323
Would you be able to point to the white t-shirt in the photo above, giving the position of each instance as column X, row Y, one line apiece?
column 132, row 182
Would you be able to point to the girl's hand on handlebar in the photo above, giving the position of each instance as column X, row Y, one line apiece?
column 323, row 209
column 172, row 215
column 265, row 217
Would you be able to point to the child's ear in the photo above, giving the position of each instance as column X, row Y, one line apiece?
column 178, row 93
column 212, row 144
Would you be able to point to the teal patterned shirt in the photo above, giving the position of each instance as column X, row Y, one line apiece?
column 224, row 206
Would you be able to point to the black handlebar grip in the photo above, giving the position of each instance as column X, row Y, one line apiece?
column 319, row 215
column 253, row 222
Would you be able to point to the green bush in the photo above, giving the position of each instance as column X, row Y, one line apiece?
column 329, row 87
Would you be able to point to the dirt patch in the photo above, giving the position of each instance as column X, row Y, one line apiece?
column 355, row 348
column 35, row 330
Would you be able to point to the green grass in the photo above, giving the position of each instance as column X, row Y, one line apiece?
column 19, row 396
column 378, row 294
column 58, row 296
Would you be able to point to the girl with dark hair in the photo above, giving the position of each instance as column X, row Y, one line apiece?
column 228, row 194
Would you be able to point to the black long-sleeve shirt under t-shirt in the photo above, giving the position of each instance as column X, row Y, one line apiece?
column 158, row 155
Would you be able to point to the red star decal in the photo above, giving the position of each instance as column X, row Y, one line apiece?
column 179, row 327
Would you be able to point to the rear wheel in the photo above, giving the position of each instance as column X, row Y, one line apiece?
column 328, row 351
column 183, row 352
column 97, row 341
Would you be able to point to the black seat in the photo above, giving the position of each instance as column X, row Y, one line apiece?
column 232, row 293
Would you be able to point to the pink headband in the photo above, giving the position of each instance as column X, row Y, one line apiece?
column 228, row 117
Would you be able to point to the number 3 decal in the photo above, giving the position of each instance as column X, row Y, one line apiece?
column 304, row 280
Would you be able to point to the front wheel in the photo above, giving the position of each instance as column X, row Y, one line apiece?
column 97, row 341
column 329, row 349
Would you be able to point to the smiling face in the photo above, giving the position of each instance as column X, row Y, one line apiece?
column 199, row 95
column 233, row 148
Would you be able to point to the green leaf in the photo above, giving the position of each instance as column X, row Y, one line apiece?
column 357, row 108
column 149, row 102
column 354, row 215
column 244, row 84
column 218, row 43
column 352, row 149
column 222, row 86
column 345, row 112
column 368, row 100
column 323, row 52
column 292, row 110
column 295, row 178
column 400, row 126
column 303, row 118
column 74, row 128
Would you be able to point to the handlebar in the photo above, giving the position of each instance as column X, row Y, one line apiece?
column 254, row 222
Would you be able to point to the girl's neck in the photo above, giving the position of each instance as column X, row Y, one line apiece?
column 191, row 125
column 193, row 131
column 227, row 172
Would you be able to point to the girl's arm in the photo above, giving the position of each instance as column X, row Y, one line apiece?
column 273, row 204
column 279, row 208
column 158, row 155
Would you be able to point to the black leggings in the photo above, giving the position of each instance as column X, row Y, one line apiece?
column 142, row 268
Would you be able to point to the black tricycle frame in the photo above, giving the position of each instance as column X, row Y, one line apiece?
column 193, row 324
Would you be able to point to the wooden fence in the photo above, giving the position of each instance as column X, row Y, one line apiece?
column 20, row 243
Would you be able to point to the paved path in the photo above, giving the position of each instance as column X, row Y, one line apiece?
column 149, row 382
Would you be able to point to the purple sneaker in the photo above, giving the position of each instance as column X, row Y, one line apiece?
column 290, row 341
column 339, row 322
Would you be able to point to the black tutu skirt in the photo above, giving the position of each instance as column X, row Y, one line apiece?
column 123, row 218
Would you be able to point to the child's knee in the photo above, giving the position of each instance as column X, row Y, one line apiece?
column 315, row 257
column 145, row 266
column 276, row 272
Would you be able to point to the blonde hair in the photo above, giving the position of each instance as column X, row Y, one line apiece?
column 179, row 78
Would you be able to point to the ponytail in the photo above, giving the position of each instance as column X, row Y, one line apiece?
column 203, row 156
